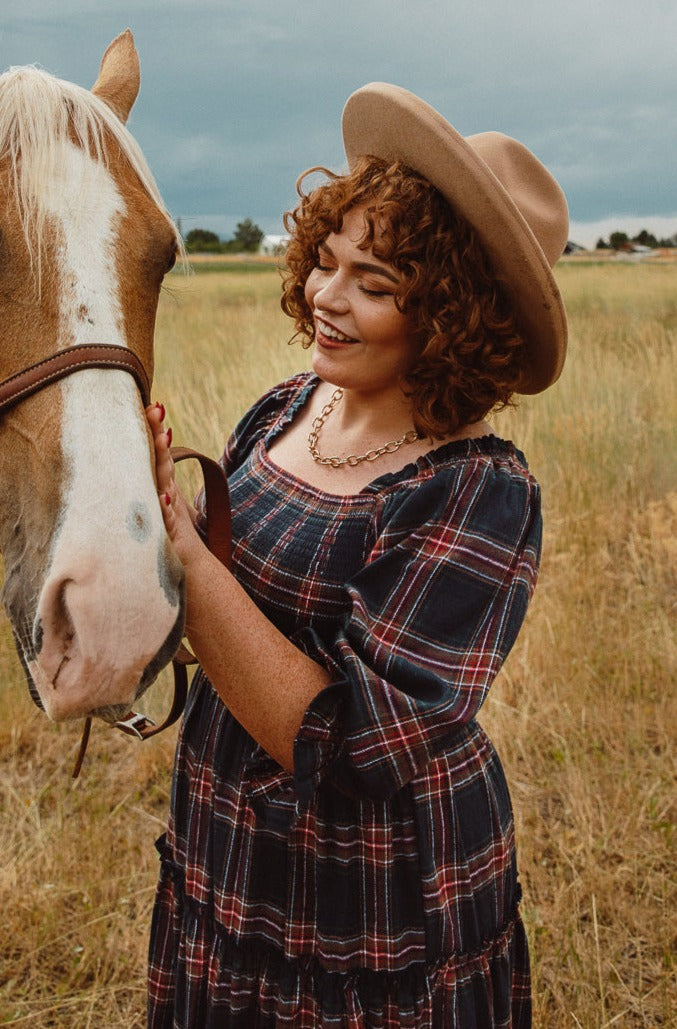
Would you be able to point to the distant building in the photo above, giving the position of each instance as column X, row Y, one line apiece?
column 273, row 245
column 631, row 247
column 573, row 248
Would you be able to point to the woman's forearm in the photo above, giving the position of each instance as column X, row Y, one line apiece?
column 265, row 681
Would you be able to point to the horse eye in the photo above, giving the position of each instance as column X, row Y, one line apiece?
column 172, row 260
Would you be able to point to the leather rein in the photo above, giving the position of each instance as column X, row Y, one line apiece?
column 43, row 373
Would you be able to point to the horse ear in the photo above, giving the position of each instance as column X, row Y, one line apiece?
column 119, row 75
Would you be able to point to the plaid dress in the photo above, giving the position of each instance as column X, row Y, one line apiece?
column 375, row 887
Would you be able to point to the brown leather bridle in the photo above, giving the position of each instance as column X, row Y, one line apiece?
column 64, row 362
column 50, row 369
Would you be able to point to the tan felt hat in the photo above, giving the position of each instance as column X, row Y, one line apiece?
column 516, row 207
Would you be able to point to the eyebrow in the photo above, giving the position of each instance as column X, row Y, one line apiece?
column 365, row 266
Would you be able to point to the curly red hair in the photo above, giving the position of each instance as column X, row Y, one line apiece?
column 468, row 353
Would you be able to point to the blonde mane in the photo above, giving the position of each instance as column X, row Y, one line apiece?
column 38, row 112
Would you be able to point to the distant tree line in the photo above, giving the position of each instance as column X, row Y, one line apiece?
column 247, row 239
column 248, row 236
column 617, row 240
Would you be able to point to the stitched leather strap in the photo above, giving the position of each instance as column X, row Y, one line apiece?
column 64, row 362
column 217, row 502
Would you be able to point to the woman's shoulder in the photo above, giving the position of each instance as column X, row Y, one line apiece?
column 485, row 481
column 278, row 403
column 474, row 457
column 282, row 398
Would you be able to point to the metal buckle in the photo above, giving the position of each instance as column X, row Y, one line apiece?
column 134, row 724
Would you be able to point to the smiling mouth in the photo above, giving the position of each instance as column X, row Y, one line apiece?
column 328, row 332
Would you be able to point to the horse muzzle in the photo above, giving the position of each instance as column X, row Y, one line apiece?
column 98, row 643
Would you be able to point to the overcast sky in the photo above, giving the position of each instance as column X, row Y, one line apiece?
column 238, row 98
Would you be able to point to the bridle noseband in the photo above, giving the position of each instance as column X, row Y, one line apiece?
column 43, row 373
column 35, row 377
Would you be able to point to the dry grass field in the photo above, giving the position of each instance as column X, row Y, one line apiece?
column 583, row 714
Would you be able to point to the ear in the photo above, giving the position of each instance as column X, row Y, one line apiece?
column 119, row 76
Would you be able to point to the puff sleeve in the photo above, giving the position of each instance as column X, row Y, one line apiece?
column 432, row 615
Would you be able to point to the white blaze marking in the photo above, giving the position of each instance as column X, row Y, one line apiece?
column 86, row 203
column 104, row 441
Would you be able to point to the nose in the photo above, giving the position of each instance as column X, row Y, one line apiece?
column 330, row 294
column 94, row 636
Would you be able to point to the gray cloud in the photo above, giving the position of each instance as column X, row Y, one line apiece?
column 237, row 99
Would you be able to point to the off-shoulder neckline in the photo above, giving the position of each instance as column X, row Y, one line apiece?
column 426, row 464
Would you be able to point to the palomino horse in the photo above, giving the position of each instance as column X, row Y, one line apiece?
column 93, row 588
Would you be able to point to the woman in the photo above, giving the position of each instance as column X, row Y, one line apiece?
column 340, row 850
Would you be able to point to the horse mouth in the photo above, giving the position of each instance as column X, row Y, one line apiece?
column 59, row 698
column 112, row 713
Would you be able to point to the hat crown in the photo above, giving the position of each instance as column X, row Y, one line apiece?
column 533, row 190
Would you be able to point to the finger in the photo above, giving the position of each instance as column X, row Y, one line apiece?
column 168, row 512
column 156, row 412
column 176, row 513
column 164, row 465
column 155, row 415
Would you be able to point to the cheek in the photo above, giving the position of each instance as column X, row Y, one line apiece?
column 310, row 289
column 399, row 330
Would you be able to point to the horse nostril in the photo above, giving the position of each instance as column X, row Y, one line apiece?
column 55, row 639
column 38, row 636
column 60, row 624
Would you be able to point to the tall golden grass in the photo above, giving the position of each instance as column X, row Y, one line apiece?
column 583, row 714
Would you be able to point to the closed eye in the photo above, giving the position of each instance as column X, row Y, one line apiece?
column 375, row 292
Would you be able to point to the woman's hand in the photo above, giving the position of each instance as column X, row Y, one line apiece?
column 264, row 679
column 179, row 517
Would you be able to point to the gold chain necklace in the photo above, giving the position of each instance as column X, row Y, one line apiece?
column 352, row 459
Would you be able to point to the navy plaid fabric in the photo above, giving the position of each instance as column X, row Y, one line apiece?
column 377, row 886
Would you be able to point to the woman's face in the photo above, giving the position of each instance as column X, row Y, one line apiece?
column 362, row 341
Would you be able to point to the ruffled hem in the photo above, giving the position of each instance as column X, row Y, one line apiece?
column 200, row 976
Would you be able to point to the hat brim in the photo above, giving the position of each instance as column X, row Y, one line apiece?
column 389, row 122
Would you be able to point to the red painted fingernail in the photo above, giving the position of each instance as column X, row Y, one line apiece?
column 169, row 436
column 162, row 410
column 168, row 499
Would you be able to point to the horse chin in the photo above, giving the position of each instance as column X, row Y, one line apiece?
column 111, row 714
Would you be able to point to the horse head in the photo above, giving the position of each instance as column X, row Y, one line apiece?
column 92, row 587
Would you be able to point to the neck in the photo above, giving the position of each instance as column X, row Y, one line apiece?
column 373, row 412
column 360, row 435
